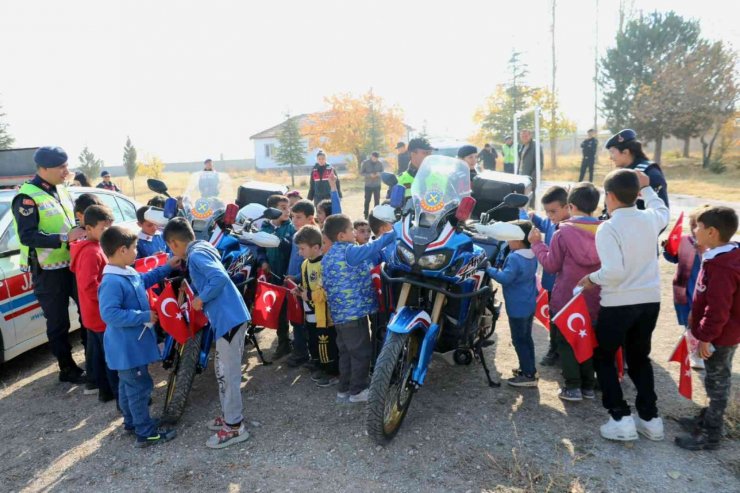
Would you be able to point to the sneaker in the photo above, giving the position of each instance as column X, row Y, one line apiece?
column 572, row 395
column 90, row 389
column 228, row 436
column 652, row 430
column 311, row 365
column 327, row 381
column 216, row 423
column 342, row 397
column 699, row 439
column 128, row 430
column 360, row 396
column 318, row 375
column 283, row 349
column 296, row 360
column 161, row 435
column 73, row 375
column 518, row 371
column 623, row 430
column 549, row 359
column 522, row 380
column 588, row 393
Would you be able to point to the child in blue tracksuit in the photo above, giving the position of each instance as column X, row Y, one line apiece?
column 555, row 203
column 518, row 279
column 351, row 298
column 150, row 239
column 130, row 343
column 227, row 313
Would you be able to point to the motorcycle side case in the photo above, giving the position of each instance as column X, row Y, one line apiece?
column 258, row 192
column 489, row 189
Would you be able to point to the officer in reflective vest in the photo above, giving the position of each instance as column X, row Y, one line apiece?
column 508, row 152
column 44, row 222
column 418, row 149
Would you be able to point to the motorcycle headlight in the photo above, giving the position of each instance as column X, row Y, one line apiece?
column 405, row 255
column 433, row 261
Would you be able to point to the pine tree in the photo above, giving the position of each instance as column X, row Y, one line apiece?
column 6, row 140
column 129, row 162
column 89, row 164
column 291, row 151
column 375, row 138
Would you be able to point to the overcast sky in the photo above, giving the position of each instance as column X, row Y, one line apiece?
column 188, row 80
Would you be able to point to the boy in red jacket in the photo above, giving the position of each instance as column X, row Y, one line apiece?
column 715, row 322
column 87, row 264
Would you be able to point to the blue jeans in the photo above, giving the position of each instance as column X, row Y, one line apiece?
column 521, row 337
column 300, row 340
column 134, row 390
column 105, row 378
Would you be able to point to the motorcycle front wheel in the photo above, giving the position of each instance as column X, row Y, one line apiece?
column 391, row 389
column 184, row 368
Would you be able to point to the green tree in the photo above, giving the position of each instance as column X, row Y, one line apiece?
column 292, row 149
column 89, row 164
column 375, row 139
column 635, row 65
column 6, row 140
column 129, row 163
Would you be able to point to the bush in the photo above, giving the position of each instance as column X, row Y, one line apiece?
column 716, row 166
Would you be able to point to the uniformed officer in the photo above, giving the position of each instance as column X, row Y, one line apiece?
column 469, row 154
column 626, row 152
column 418, row 149
column 44, row 221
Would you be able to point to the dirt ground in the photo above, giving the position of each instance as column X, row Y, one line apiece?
column 460, row 435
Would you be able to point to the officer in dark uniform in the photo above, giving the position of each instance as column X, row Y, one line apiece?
column 44, row 219
column 626, row 152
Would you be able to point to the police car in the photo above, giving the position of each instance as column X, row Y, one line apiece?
column 22, row 323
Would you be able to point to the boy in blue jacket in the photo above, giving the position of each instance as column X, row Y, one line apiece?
column 518, row 279
column 227, row 313
column 150, row 239
column 555, row 203
column 129, row 341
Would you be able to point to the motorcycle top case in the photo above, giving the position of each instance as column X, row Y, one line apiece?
column 257, row 192
column 489, row 189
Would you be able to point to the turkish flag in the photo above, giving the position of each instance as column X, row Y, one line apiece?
column 295, row 304
column 147, row 264
column 542, row 310
column 196, row 318
column 170, row 317
column 268, row 300
column 674, row 239
column 681, row 355
column 378, row 286
column 574, row 323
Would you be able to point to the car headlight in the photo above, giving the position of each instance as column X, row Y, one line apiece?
column 405, row 255
column 433, row 261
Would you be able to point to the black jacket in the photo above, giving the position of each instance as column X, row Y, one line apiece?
column 588, row 148
column 318, row 186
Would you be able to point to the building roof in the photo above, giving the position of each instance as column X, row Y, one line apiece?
column 273, row 132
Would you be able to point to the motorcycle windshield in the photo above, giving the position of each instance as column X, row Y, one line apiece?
column 207, row 192
column 438, row 187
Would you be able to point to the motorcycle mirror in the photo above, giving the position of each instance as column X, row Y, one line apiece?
column 398, row 194
column 516, row 200
column 385, row 213
column 465, row 209
column 170, row 208
column 157, row 186
column 389, row 179
column 156, row 215
column 230, row 214
column 271, row 213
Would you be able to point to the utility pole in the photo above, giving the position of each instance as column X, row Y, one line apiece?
column 553, row 106
column 596, row 71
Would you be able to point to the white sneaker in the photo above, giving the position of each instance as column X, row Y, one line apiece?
column 342, row 397
column 622, row 430
column 652, row 430
column 360, row 397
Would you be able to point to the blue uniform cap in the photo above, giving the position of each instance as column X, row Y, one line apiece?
column 50, row 157
column 622, row 136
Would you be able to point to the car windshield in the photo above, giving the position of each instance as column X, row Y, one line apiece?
column 438, row 186
column 4, row 207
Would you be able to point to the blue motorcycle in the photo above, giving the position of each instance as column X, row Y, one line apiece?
column 445, row 301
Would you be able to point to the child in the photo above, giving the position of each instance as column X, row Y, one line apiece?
column 570, row 256
column 321, row 333
column 294, row 196
column 224, row 306
column 302, row 214
column 88, row 261
column 630, row 301
column 150, row 239
column 518, row 279
column 715, row 321
column 277, row 260
column 129, row 341
column 81, row 204
column 379, row 228
column 688, row 263
column 362, row 231
column 555, row 202
column 349, row 290
column 157, row 201
column 327, row 207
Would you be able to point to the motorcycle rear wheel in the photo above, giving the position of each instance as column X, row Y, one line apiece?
column 185, row 366
column 390, row 388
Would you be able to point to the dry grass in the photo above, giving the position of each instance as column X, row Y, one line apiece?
column 732, row 420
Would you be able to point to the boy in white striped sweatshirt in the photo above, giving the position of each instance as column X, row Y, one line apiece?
column 629, row 277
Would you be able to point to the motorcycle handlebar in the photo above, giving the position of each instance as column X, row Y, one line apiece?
column 427, row 285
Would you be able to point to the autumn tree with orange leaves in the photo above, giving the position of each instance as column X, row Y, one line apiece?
column 355, row 125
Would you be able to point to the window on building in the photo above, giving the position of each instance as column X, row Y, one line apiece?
column 269, row 150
